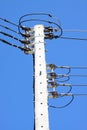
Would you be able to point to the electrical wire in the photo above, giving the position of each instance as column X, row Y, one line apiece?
column 71, row 85
column 49, row 15
column 74, row 30
column 9, row 29
column 67, row 94
column 8, row 35
column 78, row 84
column 5, row 20
column 73, row 67
column 63, row 80
column 53, row 67
column 74, row 38
column 66, row 75
column 78, row 67
column 54, row 85
column 58, row 84
column 70, row 89
column 70, row 94
column 52, row 106
column 50, row 22
column 13, row 45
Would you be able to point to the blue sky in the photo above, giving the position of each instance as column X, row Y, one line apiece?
column 16, row 68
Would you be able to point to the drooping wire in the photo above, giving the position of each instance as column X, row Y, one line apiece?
column 57, row 23
column 52, row 106
column 67, row 94
column 70, row 89
column 54, row 85
column 63, row 80
column 50, row 22
column 53, row 66
column 49, row 15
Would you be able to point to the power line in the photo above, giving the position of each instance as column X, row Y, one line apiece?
column 63, row 106
column 70, row 94
column 73, row 38
column 7, row 21
column 9, row 35
column 74, row 30
column 13, row 45
column 6, row 27
column 53, row 66
column 67, row 94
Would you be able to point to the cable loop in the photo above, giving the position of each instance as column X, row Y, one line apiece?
column 21, row 21
column 63, row 105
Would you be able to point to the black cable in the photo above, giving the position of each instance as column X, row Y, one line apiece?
column 34, row 86
column 19, row 47
column 5, row 20
column 54, row 85
column 9, row 29
column 53, row 67
column 8, row 35
column 73, row 38
column 64, row 80
column 67, row 94
column 70, row 89
column 42, row 21
column 63, row 105
column 49, row 15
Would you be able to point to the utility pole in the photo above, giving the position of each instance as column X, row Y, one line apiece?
column 45, row 76
column 41, row 93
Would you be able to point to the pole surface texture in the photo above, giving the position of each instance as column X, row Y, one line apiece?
column 41, row 93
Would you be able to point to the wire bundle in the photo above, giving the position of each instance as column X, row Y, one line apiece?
column 54, row 81
column 52, row 30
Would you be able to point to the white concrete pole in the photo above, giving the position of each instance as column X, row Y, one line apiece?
column 41, row 93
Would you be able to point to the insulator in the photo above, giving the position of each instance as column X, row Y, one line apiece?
column 51, row 66
column 55, row 29
column 25, row 41
column 53, row 94
column 28, row 50
column 52, row 75
column 25, row 28
column 49, row 36
column 53, row 84
column 26, row 35
column 48, row 29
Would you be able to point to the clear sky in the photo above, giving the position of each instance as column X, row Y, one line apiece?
column 16, row 68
